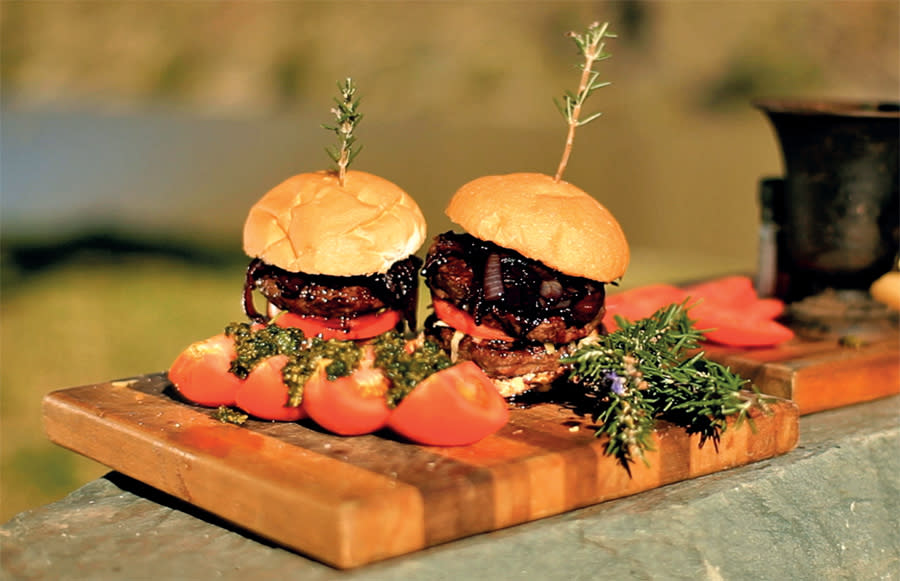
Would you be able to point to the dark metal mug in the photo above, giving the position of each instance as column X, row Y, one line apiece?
column 838, row 206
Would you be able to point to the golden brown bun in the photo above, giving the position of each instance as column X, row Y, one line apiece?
column 553, row 222
column 309, row 223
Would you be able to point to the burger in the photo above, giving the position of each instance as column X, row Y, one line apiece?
column 334, row 256
column 525, row 281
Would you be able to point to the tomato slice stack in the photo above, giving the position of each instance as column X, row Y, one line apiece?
column 455, row 406
column 727, row 310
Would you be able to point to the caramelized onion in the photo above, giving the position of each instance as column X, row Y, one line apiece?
column 247, row 297
column 551, row 289
column 493, row 280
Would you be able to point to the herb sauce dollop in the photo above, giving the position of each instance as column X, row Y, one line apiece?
column 404, row 363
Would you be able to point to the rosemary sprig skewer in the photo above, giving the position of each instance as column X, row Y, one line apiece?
column 591, row 46
column 347, row 117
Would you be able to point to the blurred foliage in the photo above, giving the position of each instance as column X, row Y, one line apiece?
column 748, row 75
column 256, row 56
column 467, row 85
column 23, row 257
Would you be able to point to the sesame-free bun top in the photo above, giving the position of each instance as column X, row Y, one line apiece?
column 553, row 222
column 310, row 223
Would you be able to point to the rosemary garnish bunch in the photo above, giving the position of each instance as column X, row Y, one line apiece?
column 347, row 117
column 641, row 373
column 622, row 409
column 590, row 45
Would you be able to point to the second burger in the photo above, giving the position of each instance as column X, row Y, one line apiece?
column 526, row 280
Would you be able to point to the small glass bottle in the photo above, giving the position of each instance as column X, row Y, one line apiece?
column 770, row 278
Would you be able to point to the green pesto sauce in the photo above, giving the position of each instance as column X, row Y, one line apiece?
column 304, row 354
column 229, row 415
column 405, row 369
column 343, row 358
column 255, row 345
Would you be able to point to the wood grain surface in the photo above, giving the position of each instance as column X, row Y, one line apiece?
column 819, row 375
column 352, row 501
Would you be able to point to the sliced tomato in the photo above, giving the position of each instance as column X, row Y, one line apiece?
column 362, row 327
column 734, row 328
column 640, row 303
column 732, row 291
column 769, row 308
column 200, row 372
column 264, row 394
column 456, row 406
column 464, row 322
column 727, row 309
column 350, row 405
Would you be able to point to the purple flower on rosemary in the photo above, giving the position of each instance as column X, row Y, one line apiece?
column 616, row 383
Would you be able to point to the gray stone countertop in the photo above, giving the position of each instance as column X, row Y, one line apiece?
column 830, row 509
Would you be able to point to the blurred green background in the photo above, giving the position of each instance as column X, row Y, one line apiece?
column 135, row 136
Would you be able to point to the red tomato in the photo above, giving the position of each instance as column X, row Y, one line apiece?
column 727, row 308
column 363, row 327
column 200, row 372
column 463, row 321
column 456, row 406
column 770, row 308
column 731, row 291
column 264, row 394
column 734, row 328
column 640, row 303
column 736, row 292
column 734, row 315
column 350, row 405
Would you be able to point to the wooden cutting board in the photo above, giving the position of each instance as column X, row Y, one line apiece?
column 352, row 501
column 819, row 375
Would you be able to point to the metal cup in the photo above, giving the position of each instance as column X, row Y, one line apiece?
column 838, row 207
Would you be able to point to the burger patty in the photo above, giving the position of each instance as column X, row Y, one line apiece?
column 501, row 359
column 501, row 288
column 331, row 297
column 321, row 300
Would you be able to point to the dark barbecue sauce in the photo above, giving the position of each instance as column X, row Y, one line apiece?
column 532, row 292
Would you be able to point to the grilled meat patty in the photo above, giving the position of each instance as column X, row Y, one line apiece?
column 500, row 358
column 332, row 297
